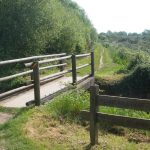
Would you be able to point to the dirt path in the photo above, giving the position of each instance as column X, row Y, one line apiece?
column 4, row 117
column 101, row 63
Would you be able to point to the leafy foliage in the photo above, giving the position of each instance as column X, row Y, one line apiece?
column 30, row 27
column 133, row 41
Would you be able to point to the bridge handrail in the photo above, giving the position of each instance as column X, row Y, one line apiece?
column 83, row 55
column 27, row 59
column 83, row 66
column 29, row 72
column 56, row 74
column 36, row 81
column 49, row 60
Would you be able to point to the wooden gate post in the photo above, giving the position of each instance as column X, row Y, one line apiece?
column 74, row 71
column 92, row 64
column 36, row 78
column 93, row 118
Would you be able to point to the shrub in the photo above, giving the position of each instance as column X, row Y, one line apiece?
column 137, row 60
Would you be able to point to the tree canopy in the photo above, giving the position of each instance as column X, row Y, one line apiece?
column 32, row 27
column 133, row 41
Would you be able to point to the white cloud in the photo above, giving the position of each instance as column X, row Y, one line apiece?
column 118, row 15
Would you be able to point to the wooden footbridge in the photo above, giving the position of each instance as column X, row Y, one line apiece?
column 39, row 89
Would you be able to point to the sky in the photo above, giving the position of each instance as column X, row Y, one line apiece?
column 118, row 15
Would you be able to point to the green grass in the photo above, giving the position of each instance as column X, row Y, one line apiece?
column 56, row 126
column 110, row 68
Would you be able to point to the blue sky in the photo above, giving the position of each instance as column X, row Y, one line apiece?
column 118, row 15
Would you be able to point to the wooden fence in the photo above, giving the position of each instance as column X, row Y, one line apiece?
column 94, row 116
column 33, row 63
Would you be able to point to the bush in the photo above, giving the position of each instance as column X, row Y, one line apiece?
column 139, row 80
column 137, row 60
column 135, row 84
column 120, row 57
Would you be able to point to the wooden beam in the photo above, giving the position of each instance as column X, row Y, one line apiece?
column 14, row 91
column 93, row 110
column 56, row 74
column 92, row 65
column 119, row 120
column 36, row 77
column 123, row 102
column 83, row 66
column 124, row 121
column 28, row 59
column 52, row 66
column 49, row 60
column 16, row 75
column 82, row 55
column 74, row 71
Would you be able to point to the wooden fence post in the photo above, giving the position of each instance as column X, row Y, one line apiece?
column 93, row 111
column 61, row 67
column 36, row 77
column 74, row 71
column 92, row 64
column 32, row 77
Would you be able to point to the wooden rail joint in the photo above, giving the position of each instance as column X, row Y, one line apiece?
column 33, row 65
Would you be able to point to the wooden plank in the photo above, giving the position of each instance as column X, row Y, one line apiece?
column 29, row 72
column 28, row 59
column 93, row 110
column 92, row 64
column 124, row 102
column 124, row 121
column 14, row 91
column 82, row 55
column 74, row 71
column 84, row 78
column 119, row 120
column 61, row 67
column 36, row 77
column 83, row 66
column 86, row 82
column 49, row 60
column 52, row 66
column 54, row 59
column 56, row 74
column 15, row 75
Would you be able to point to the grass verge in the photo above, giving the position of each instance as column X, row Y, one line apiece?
column 57, row 125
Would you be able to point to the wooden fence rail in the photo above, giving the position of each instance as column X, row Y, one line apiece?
column 29, row 59
column 34, row 64
column 97, row 100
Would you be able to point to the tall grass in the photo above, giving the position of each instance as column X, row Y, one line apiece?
column 69, row 104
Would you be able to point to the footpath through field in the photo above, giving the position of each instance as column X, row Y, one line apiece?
column 101, row 63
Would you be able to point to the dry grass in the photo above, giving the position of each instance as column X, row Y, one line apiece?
column 57, row 134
